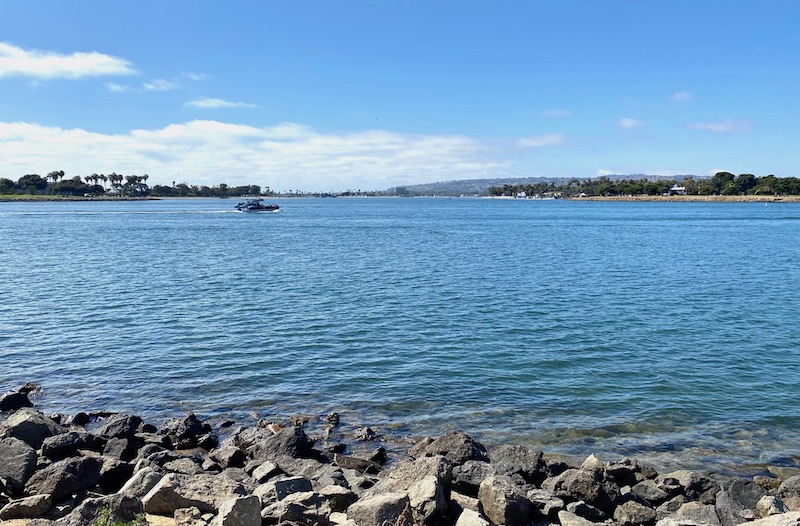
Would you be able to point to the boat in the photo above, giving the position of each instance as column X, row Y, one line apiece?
column 256, row 205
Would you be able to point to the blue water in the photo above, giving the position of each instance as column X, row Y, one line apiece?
column 662, row 330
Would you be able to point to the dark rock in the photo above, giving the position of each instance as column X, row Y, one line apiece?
column 80, row 419
column 468, row 476
column 365, row 433
column 406, row 474
column 546, row 503
column 30, row 426
column 290, row 441
column 149, row 449
column 649, row 491
column 519, row 461
column 574, row 485
column 141, row 483
column 14, row 400
column 359, row 464
column 379, row 456
column 114, row 474
column 705, row 514
column 265, row 470
column 17, row 462
column 120, row 449
column 694, row 485
column 291, row 485
column 299, row 508
column 119, row 509
column 27, row 508
column 240, row 511
column 339, row 497
column 229, row 457
column 208, row 441
column 632, row 513
column 65, row 477
column 120, row 426
column 587, row 511
column 457, row 447
column 332, row 418
column 556, row 464
column 338, row 447
column 246, row 438
column 503, row 502
column 59, row 447
column 205, row 492
column 185, row 432
column 739, row 496
column 185, row 465
column 790, row 487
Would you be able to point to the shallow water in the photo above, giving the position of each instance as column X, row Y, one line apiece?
column 662, row 330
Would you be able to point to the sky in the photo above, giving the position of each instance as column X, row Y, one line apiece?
column 368, row 95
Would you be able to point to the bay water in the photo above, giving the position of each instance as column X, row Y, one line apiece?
column 666, row 331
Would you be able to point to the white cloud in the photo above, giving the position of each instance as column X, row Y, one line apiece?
column 159, row 85
column 629, row 123
column 682, row 96
column 284, row 156
column 196, row 77
column 15, row 61
column 725, row 126
column 116, row 88
column 556, row 113
column 540, row 141
column 211, row 103
column 602, row 172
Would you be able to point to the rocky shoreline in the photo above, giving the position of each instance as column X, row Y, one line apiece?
column 108, row 469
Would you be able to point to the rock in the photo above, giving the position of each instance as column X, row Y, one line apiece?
column 17, row 462
column 741, row 495
column 175, row 491
column 457, row 447
column 566, row 518
column 339, row 498
column 291, row 485
column 246, row 438
column 61, row 446
column 632, row 513
column 27, row 508
column 265, row 471
column 365, row 433
column 228, row 457
column 705, row 514
column 379, row 456
column 503, row 502
column 113, row 509
column 574, row 484
column 556, row 464
column 649, row 491
column 389, row 508
column 403, row 476
column 471, row 518
column 587, row 511
column 299, row 508
column 120, row 426
column 592, row 463
column 65, row 477
column 14, row 400
column 140, row 483
column 114, row 474
column 629, row 471
column 361, row 464
column 694, row 485
column 790, row 487
column 459, row 502
column 290, row 441
column 30, row 426
column 189, row 517
column 769, row 505
column 186, row 466
column 546, row 503
column 240, row 511
column 468, row 476
column 427, row 499
column 298, row 467
column 330, row 475
column 519, row 461
column 186, row 433
column 791, row 518
column 120, row 449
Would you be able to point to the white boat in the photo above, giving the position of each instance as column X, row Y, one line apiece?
column 256, row 205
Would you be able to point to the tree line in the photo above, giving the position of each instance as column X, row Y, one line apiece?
column 114, row 184
column 722, row 183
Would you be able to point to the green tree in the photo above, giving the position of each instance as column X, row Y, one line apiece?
column 31, row 184
column 7, row 186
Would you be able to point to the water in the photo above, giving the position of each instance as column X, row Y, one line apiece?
column 661, row 330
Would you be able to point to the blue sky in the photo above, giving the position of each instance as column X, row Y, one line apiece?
column 369, row 95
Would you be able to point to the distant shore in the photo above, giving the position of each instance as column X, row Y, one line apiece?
column 38, row 198
column 693, row 198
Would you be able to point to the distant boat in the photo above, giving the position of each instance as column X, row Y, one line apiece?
column 256, row 205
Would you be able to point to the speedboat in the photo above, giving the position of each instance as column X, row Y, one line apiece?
column 256, row 205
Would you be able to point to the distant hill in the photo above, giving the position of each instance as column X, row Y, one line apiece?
column 481, row 186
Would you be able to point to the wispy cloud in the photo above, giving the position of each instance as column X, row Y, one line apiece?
column 196, row 77
column 116, row 88
column 556, row 113
column 283, row 156
column 682, row 96
column 540, row 141
column 160, row 85
column 725, row 126
column 46, row 65
column 211, row 103
column 628, row 123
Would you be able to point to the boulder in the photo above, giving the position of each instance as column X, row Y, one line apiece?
column 189, row 517
column 27, row 508
column 737, row 501
column 566, row 518
column 114, row 474
column 632, row 513
column 649, row 491
column 471, row 518
column 186, row 466
column 186, row 433
column 361, row 464
column 289, row 442
column 587, row 511
column 14, row 400
column 65, row 477
column 265, row 471
column 17, row 462
column 790, row 487
column 112, row 509
column 339, row 498
column 239, row 511
column 467, row 477
column 546, row 503
column 120, row 426
column 30, row 426
column 574, row 484
column 503, row 502
column 205, row 492
column 61, row 446
column 705, row 514
column 140, row 483
column 120, row 449
column 299, row 508
column 456, row 446
column 228, row 457
column 406, row 474
column 769, row 505
column 694, row 485
column 427, row 499
column 629, row 471
column 791, row 518
column 290, row 485
column 389, row 508
column 519, row 461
